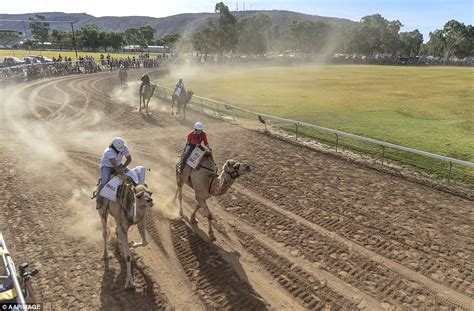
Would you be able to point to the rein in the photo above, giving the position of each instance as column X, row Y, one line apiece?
column 207, row 168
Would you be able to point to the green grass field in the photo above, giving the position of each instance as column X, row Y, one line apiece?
column 72, row 54
column 427, row 108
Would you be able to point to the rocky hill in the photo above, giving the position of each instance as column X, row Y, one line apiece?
column 189, row 22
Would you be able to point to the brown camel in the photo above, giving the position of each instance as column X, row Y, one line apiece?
column 130, row 209
column 206, row 183
column 145, row 96
column 182, row 100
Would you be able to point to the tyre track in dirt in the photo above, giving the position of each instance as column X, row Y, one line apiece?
column 395, row 239
column 213, row 278
column 332, row 255
column 312, row 293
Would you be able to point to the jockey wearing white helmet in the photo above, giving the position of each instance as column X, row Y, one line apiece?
column 195, row 138
column 111, row 162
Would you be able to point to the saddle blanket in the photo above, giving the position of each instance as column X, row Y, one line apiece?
column 137, row 174
column 195, row 157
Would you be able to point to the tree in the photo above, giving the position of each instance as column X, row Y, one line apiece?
column 226, row 32
column 308, row 36
column 375, row 34
column 410, row 43
column 204, row 41
column 142, row 36
column 455, row 39
column 60, row 38
column 254, row 34
column 148, row 34
column 39, row 28
column 171, row 39
column 90, row 37
column 116, row 40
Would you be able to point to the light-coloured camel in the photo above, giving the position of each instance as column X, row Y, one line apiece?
column 182, row 100
column 205, row 182
column 145, row 96
column 127, row 212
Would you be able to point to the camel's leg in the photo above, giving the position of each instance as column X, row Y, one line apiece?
column 142, row 231
column 147, row 103
column 192, row 219
column 103, row 217
column 184, row 112
column 123, row 239
column 203, row 204
column 180, row 197
column 140, row 109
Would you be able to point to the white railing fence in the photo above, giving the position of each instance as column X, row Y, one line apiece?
column 433, row 165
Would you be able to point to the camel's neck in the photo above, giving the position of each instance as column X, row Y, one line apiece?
column 225, row 182
column 137, row 213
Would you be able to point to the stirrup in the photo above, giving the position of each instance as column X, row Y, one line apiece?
column 94, row 195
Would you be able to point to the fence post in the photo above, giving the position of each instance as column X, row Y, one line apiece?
column 337, row 140
column 450, row 169
column 383, row 153
column 296, row 133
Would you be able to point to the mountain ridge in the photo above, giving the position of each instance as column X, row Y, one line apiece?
column 183, row 22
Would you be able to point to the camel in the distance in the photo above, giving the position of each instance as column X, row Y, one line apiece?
column 182, row 101
column 123, row 75
column 206, row 183
column 130, row 209
column 145, row 96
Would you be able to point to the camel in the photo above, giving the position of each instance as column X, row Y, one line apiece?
column 146, row 96
column 130, row 209
column 206, row 183
column 123, row 76
column 182, row 100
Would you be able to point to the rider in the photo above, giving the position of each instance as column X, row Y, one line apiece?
column 111, row 162
column 195, row 138
column 145, row 81
column 178, row 87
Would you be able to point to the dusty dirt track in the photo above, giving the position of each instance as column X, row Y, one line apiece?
column 304, row 230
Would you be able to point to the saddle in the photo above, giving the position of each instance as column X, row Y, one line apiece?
column 207, row 155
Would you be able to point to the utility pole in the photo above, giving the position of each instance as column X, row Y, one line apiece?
column 74, row 38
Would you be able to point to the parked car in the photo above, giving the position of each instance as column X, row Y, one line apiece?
column 30, row 60
column 8, row 61
column 42, row 59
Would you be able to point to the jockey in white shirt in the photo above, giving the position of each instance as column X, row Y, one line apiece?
column 111, row 162
column 178, row 87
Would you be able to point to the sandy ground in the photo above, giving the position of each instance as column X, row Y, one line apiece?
column 303, row 230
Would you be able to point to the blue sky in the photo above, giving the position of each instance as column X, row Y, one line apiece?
column 425, row 15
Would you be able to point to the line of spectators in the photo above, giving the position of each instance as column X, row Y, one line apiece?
column 65, row 66
column 387, row 59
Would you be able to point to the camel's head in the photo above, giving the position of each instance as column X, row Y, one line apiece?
column 235, row 169
column 143, row 197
